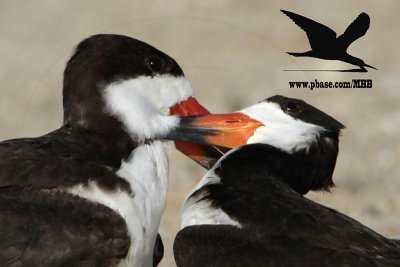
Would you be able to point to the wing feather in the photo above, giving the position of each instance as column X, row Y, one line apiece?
column 318, row 34
column 355, row 30
column 53, row 228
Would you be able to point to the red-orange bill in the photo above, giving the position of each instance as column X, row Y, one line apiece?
column 223, row 130
column 205, row 155
column 206, row 137
column 189, row 107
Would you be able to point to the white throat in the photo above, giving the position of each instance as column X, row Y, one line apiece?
column 143, row 104
column 147, row 173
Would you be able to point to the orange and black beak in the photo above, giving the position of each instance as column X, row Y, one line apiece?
column 205, row 155
column 205, row 137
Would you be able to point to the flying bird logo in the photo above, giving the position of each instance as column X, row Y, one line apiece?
column 324, row 43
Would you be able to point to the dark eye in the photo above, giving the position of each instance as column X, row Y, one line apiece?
column 155, row 64
column 291, row 106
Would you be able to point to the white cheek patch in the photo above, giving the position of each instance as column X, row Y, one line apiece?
column 142, row 104
column 280, row 129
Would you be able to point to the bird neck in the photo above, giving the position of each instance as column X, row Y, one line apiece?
column 303, row 170
column 108, row 147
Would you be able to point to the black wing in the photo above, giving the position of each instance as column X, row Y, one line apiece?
column 356, row 29
column 318, row 34
column 256, row 199
column 60, row 159
column 214, row 245
column 284, row 228
column 223, row 245
column 52, row 228
column 282, row 212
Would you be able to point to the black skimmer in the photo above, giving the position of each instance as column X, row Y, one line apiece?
column 324, row 43
column 242, row 214
column 290, row 124
column 245, row 213
column 92, row 192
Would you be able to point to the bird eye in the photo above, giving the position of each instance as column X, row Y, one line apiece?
column 291, row 106
column 155, row 64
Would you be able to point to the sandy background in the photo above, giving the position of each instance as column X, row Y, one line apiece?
column 233, row 54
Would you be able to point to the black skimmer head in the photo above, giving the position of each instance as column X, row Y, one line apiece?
column 243, row 213
column 115, row 82
column 290, row 125
column 121, row 97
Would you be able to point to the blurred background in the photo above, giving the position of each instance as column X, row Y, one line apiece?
column 233, row 53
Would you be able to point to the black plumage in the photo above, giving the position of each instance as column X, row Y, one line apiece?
column 278, row 226
column 64, row 158
column 47, row 227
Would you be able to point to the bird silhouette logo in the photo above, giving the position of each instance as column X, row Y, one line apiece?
column 324, row 43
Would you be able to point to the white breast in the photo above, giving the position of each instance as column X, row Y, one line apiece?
column 197, row 211
column 202, row 212
column 147, row 172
